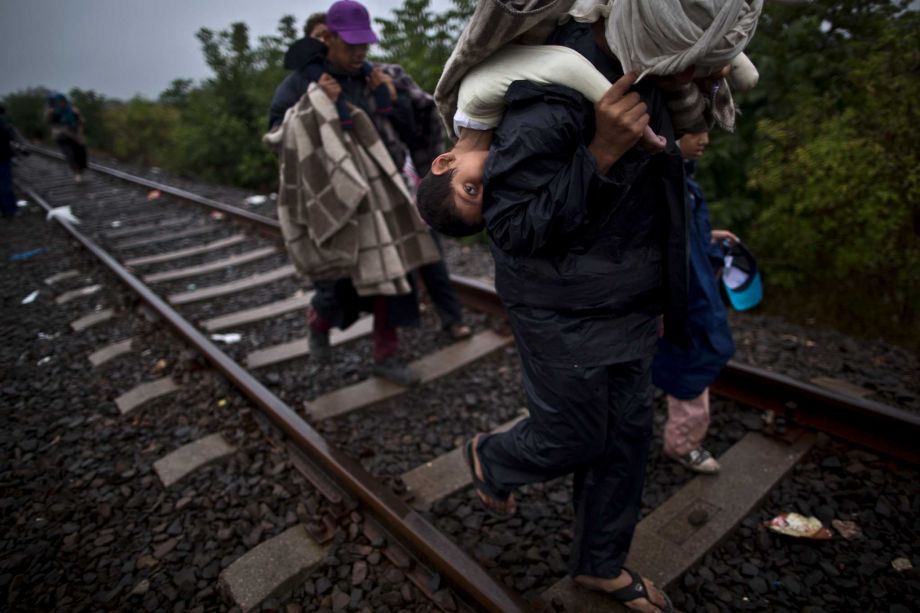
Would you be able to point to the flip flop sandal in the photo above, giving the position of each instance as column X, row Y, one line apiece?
column 481, row 485
column 637, row 590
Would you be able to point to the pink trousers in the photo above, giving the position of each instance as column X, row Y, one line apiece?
column 687, row 423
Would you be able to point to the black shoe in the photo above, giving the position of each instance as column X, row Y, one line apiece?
column 458, row 332
column 396, row 372
column 320, row 348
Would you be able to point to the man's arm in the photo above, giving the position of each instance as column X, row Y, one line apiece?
column 543, row 181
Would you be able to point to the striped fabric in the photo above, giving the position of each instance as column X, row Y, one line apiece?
column 344, row 208
column 495, row 23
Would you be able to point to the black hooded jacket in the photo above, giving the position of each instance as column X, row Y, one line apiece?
column 307, row 59
column 585, row 263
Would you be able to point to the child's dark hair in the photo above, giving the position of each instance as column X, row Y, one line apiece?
column 436, row 204
column 312, row 21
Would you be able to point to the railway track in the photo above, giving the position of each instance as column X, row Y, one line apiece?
column 177, row 260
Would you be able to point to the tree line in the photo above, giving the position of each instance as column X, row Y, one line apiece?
column 821, row 178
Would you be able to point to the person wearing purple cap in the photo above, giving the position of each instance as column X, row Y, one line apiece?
column 405, row 119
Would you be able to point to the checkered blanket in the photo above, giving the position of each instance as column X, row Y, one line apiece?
column 344, row 208
column 496, row 23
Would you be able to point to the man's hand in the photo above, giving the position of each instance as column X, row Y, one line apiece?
column 718, row 235
column 622, row 121
column 330, row 86
column 377, row 77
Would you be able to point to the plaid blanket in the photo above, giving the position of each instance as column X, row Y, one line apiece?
column 494, row 24
column 694, row 106
column 344, row 208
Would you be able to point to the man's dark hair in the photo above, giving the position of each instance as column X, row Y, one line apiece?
column 2, row 110
column 312, row 21
column 436, row 204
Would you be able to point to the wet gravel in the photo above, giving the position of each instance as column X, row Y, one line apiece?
column 529, row 551
column 758, row 570
column 84, row 522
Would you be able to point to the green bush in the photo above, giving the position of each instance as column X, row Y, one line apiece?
column 142, row 131
column 25, row 109
column 840, row 184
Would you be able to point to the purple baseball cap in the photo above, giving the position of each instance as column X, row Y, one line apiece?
column 350, row 20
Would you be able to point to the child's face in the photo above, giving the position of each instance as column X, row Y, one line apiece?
column 466, row 182
column 692, row 146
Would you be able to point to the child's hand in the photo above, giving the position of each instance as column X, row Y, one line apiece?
column 621, row 122
column 330, row 86
column 718, row 235
column 378, row 76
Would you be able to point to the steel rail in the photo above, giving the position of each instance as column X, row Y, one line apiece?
column 408, row 526
column 266, row 225
column 873, row 424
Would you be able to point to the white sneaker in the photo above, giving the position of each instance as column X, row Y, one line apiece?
column 698, row 460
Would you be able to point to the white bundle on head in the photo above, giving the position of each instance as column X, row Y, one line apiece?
column 665, row 37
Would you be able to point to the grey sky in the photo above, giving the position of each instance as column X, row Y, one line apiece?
column 125, row 47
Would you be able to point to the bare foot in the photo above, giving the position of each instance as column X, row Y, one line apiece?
column 655, row 604
column 506, row 506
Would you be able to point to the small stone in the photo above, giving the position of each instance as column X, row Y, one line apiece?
column 163, row 549
column 752, row 421
column 445, row 600
column 698, row 517
column 486, row 551
column 185, row 580
column 392, row 599
column 749, row 570
column 323, row 585
column 809, row 557
column 358, row 573
column 792, row 584
column 759, row 585
column 847, row 529
column 901, row 564
column 340, row 600
column 141, row 588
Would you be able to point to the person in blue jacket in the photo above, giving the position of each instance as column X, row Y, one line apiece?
column 684, row 374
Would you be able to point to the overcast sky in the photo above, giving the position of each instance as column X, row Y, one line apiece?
column 125, row 47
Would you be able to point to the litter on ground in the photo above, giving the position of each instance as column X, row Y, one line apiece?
column 230, row 338
column 799, row 526
column 25, row 255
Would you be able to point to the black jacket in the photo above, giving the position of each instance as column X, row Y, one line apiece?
column 585, row 263
column 7, row 136
column 307, row 58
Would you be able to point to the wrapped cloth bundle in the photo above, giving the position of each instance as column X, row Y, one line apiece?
column 659, row 37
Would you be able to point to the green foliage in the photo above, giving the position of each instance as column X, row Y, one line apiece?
column 800, row 51
column 177, row 93
column 92, row 108
column 25, row 109
column 142, row 131
column 420, row 40
column 839, row 179
column 218, row 136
